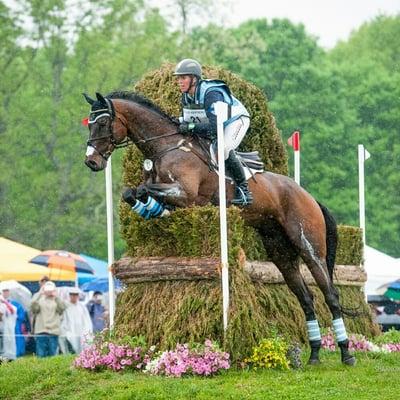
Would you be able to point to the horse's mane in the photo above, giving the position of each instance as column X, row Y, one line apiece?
column 139, row 99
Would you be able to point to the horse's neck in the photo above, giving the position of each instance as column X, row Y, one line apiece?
column 145, row 126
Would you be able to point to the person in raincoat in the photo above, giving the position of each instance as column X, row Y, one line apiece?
column 76, row 325
column 47, row 309
column 20, row 320
column 8, row 317
column 97, row 312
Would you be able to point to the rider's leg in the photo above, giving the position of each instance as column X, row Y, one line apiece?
column 233, row 135
column 243, row 195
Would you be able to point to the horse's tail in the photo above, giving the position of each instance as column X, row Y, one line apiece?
column 331, row 239
column 331, row 246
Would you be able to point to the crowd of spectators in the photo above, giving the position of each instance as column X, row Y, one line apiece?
column 50, row 325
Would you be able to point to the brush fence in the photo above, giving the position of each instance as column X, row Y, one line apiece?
column 154, row 269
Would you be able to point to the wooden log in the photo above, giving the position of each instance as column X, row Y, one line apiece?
column 267, row 272
column 153, row 269
column 148, row 269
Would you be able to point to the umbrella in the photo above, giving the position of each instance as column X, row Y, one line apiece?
column 18, row 292
column 62, row 260
column 393, row 294
column 100, row 269
column 100, row 285
column 395, row 285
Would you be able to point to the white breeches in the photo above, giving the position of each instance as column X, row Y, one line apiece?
column 234, row 134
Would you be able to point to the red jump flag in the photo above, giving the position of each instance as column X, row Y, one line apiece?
column 85, row 121
column 294, row 141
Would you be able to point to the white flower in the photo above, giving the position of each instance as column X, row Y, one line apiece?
column 151, row 366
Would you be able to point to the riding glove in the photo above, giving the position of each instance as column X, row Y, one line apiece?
column 186, row 127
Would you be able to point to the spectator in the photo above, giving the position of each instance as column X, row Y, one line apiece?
column 42, row 281
column 20, row 320
column 47, row 309
column 36, row 295
column 76, row 323
column 8, row 316
column 97, row 312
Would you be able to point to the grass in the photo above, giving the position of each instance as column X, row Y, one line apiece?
column 374, row 377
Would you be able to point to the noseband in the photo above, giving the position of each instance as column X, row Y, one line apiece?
column 110, row 113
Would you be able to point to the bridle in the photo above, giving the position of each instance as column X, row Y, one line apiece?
column 113, row 144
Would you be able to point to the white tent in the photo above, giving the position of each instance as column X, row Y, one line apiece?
column 381, row 268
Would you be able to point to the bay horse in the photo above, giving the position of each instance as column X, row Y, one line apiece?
column 291, row 222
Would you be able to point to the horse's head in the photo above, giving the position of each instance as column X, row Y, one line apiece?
column 106, row 131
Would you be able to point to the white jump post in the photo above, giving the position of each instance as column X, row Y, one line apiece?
column 362, row 156
column 221, row 110
column 294, row 141
column 110, row 242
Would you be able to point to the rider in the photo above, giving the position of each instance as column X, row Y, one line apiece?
column 198, row 98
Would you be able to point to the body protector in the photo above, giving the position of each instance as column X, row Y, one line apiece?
column 194, row 110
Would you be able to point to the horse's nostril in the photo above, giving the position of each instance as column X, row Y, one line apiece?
column 91, row 164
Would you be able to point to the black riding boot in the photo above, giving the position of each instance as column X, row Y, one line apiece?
column 243, row 196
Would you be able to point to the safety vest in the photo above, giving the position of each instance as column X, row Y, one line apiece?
column 193, row 108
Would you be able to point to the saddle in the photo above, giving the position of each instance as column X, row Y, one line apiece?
column 251, row 161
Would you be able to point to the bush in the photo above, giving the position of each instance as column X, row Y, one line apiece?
column 392, row 336
column 270, row 353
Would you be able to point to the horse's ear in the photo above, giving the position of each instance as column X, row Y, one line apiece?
column 88, row 99
column 100, row 98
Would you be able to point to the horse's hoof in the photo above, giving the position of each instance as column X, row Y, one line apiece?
column 314, row 361
column 349, row 361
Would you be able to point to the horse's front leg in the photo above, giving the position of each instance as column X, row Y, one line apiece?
column 172, row 194
column 150, row 200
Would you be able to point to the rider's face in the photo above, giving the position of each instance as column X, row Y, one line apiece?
column 186, row 83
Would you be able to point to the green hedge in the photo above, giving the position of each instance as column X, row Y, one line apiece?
column 194, row 232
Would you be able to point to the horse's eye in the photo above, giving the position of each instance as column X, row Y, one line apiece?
column 102, row 121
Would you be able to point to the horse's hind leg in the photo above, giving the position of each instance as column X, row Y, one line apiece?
column 286, row 257
column 313, row 252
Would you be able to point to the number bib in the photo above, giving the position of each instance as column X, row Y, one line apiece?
column 194, row 115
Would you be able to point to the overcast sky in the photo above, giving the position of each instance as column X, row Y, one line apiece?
column 330, row 20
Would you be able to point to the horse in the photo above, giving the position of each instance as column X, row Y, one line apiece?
column 291, row 222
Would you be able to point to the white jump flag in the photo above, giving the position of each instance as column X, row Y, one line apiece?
column 294, row 141
column 363, row 155
column 110, row 241
column 221, row 110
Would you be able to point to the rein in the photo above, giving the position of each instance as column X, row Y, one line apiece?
column 109, row 112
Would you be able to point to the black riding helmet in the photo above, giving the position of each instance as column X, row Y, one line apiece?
column 190, row 67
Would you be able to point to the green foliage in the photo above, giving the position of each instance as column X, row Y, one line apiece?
column 270, row 353
column 391, row 336
column 53, row 200
column 350, row 246
column 338, row 99
column 194, row 232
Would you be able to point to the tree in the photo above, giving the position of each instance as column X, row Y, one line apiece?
column 54, row 200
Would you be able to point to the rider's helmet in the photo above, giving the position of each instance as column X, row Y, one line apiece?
column 188, row 67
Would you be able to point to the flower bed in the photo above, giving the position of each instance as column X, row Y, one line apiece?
column 208, row 359
column 185, row 359
column 387, row 342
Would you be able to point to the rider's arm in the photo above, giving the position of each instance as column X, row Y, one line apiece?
column 209, row 129
column 206, row 129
